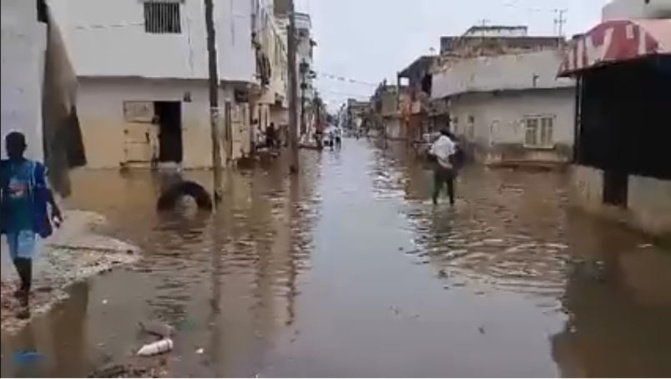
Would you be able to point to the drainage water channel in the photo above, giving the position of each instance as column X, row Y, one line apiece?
column 349, row 270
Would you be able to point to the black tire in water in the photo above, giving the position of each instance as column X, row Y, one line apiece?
column 173, row 193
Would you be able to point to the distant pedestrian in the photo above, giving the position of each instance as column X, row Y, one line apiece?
column 338, row 138
column 271, row 136
column 443, row 150
column 25, row 196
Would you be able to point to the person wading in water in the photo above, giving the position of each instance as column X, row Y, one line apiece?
column 443, row 151
column 24, row 200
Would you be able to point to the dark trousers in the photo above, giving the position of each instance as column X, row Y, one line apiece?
column 441, row 176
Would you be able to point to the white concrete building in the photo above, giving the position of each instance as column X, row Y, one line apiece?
column 270, row 39
column 24, row 44
column 510, row 108
column 142, row 67
column 304, row 65
column 636, row 9
column 305, row 45
column 39, row 89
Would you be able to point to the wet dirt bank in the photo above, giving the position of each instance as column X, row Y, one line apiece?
column 74, row 253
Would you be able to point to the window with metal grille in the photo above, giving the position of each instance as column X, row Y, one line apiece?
column 162, row 17
column 539, row 131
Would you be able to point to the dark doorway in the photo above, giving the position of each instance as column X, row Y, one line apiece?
column 615, row 187
column 169, row 117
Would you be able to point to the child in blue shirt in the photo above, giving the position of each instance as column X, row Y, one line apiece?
column 24, row 199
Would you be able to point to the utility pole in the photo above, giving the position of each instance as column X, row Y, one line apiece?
column 293, row 88
column 560, row 21
column 214, row 100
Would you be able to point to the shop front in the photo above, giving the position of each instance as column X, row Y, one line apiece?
column 622, row 160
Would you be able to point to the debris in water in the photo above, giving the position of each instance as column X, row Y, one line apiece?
column 27, row 357
column 200, row 351
column 645, row 246
column 104, row 301
column 156, row 348
column 126, row 371
column 157, row 328
column 481, row 330
column 186, row 325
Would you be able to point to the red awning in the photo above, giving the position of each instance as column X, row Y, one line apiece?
column 616, row 41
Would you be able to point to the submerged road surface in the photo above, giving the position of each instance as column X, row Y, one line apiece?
column 350, row 270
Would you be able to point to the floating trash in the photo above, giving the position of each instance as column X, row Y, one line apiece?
column 157, row 328
column 156, row 348
column 186, row 325
column 27, row 357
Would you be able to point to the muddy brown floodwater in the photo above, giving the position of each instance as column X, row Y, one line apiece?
column 350, row 271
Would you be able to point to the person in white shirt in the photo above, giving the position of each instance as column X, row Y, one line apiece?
column 443, row 150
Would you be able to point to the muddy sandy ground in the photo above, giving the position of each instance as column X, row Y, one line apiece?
column 75, row 252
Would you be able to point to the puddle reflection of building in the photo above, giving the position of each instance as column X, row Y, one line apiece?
column 57, row 344
column 215, row 306
column 70, row 324
column 618, row 309
column 294, row 244
column 254, row 274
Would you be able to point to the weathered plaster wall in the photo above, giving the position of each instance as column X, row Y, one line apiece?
column 648, row 201
column 498, row 131
column 23, row 47
column 100, row 106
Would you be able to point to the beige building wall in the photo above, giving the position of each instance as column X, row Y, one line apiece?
column 494, row 124
column 101, row 113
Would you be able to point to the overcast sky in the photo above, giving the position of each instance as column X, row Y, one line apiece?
column 369, row 40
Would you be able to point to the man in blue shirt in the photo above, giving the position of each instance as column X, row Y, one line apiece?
column 24, row 198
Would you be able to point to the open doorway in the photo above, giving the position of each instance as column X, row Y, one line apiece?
column 169, row 118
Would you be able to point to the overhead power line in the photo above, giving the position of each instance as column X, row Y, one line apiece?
column 346, row 79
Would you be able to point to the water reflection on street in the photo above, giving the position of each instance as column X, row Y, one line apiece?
column 349, row 270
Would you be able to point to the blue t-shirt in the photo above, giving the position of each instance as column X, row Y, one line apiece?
column 18, row 202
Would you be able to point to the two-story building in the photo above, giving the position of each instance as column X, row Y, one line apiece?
column 307, row 111
column 358, row 115
column 386, row 106
column 304, row 67
column 143, row 73
column 510, row 108
column 415, row 107
column 271, row 101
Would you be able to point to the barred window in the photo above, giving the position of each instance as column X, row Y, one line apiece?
column 162, row 17
column 539, row 132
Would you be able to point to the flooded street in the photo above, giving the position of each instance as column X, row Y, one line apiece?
column 349, row 270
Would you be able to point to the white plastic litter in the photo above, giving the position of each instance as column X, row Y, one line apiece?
column 156, row 348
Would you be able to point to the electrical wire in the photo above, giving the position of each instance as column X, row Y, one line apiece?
column 346, row 79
